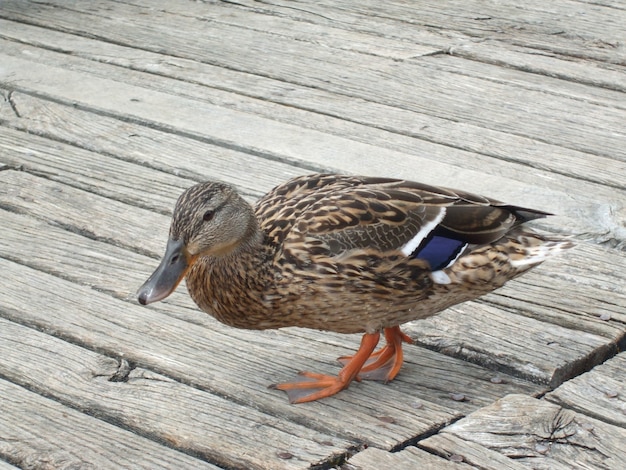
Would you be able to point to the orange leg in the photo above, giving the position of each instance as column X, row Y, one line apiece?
column 314, row 386
column 385, row 363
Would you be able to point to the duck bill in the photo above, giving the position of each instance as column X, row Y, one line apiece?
column 167, row 276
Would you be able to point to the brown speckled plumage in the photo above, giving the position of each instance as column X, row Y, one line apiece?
column 346, row 254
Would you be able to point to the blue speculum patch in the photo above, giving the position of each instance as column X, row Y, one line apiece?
column 439, row 250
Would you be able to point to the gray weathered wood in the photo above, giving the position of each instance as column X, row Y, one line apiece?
column 537, row 351
column 407, row 459
column 110, row 177
column 84, row 213
column 162, row 409
column 440, row 44
column 40, row 433
column 447, row 445
column 238, row 365
column 141, row 145
column 376, row 79
column 428, row 380
column 558, row 28
column 7, row 466
column 377, row 117
column 540, row 434
column 46, row 158
column 310, row 146
column 479, row 333
column 582, row 304
column 84, row 261
column 148, row 149
column 600, row 393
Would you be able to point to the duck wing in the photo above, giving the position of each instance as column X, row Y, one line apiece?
column 332, row 215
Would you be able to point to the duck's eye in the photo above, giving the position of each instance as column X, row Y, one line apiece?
column 208, row 215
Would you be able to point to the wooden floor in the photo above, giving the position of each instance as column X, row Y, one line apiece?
column 111, row 108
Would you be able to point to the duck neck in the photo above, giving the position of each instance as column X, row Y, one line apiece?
column 231, row 286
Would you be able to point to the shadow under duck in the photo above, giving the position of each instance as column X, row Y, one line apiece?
column 343, row 253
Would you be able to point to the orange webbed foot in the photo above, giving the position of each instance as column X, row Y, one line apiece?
column 311, row 386
column 385, row 363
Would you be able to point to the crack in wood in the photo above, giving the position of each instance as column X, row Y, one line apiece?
column 123, row 371
column 11, row 102
column 414, row 441
column 285, row 6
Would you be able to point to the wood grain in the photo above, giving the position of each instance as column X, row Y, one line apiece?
column 38, row 432
column 239, row 365
column 602, row 211
column 427, row 375
column 448, row 445
column 387, row 126
column 407, row 459
column 537, row 351
column 427, row 378
column 599, row 393
column 162, row 409
column 540, row 434
column 7, row 466
column 148, row 149
column 535, row 26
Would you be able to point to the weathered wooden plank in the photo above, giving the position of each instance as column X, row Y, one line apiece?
column 600, row 393
column 7, row 466
column 41, row 433
column 550, row 72
column 126, row 182
column 596, row 309
column 113, row 139
column 83, row 213
column 564, row 27
column 325, row 151
column 157, row 407
column 545, row 353
column 402, row 43
column 432, row 378
column 139, row 144
column 110, row 177
column 540, row 434
column 472, row 453
column 327, row 35
column 107, row 135
column 237, row 365
column 609, row 272
column 480, row 46
column 262, row 18
column 434, row 375
column 407, row 459
column 603, row 211
column 393, row 128
column 89, row 262
column 377, row 79
column 573, row 292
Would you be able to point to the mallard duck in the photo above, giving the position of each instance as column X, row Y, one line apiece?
column 341, row 253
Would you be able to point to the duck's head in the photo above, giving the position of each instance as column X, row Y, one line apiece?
column 210, row 219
